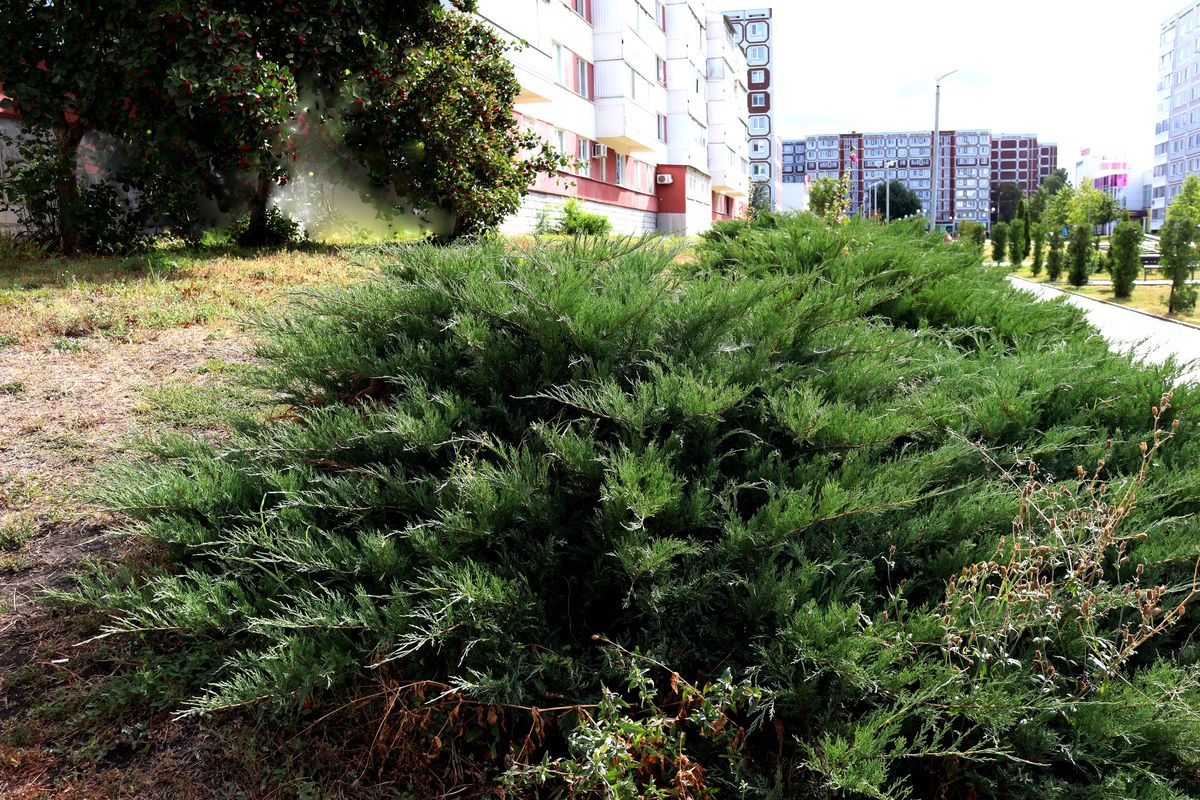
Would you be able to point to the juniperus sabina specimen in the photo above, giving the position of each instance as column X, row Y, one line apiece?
column 589, row 521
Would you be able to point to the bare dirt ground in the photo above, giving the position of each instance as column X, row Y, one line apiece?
column 93, row 354
column 74, row 410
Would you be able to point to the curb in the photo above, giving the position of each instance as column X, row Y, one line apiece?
column 1108, row 303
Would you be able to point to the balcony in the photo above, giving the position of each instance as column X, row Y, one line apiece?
column 626, row 127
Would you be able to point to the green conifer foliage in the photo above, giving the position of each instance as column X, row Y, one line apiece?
column 744, row 525
column 1039, row 248
column 1079, row 254
column 1125, row 256
column 1054, row 256
column 1016, row 243
column 1000, row 242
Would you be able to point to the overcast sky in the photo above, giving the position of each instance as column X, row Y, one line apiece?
column 1078, row 72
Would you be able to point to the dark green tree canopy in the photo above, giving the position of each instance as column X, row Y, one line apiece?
column 1055, row 182
column 220, row 94
column 903, row 201
column 1007, row 196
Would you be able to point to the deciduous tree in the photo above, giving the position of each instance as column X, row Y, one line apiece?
column 1008, row 196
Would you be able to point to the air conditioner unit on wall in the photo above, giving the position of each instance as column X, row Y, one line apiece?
column 665, row 180
column 599, row 151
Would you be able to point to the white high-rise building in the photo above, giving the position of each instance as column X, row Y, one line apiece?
column 754, row 32
column 1177, row 124
column 624, row 88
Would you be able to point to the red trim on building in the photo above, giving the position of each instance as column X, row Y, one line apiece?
column 564, row 184
column 672, row 197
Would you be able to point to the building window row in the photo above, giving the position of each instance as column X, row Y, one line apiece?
column 575, row 73
column 581, row 7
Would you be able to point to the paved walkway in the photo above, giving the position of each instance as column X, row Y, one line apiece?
column 1153, row 339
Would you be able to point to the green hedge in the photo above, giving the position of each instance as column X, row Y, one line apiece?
column 746, row 524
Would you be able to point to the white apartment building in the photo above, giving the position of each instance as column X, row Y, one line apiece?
column 623, row 88
column 754, row 32
column 1177, row 128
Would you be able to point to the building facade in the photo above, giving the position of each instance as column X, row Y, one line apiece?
column 967, row 167
column 627, row 89
column 1131, row 190
column 1019, row 158
column 753, row 30
column 1177, row 123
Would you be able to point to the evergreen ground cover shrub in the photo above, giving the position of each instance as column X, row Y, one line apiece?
column 581, row 520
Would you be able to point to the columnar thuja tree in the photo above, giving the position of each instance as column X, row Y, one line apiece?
column 1079, row 254
column 999, row 241
column 1054, row 255
column 1039, row 248
column 1177, row 244
column 1124, row 256
column 1016, row 243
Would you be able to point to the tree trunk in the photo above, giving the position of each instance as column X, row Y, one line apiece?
column 69, row 137
column 256, row 234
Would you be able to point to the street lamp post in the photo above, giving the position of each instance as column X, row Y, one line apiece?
column 887, row 178
column 937, row 149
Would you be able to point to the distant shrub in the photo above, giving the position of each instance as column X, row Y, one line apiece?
column 972, row 232
column 577, row 222
column 279, row 230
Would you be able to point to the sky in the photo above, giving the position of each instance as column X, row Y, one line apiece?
column 1081, row 73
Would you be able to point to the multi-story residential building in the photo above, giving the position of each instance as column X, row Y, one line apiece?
column 1019, row 158
column 966, row 169
column 907, row 156
column 753, row 29
column 1113, row 177
column 1177, row 128
column 622, row 87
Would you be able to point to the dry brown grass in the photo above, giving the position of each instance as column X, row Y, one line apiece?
column 125, row 297
column 93, row 352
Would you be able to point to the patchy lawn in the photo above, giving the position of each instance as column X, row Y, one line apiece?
column 94, row 352
column 1151, row 299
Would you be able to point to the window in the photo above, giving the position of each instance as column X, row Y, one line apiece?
column 760, row 148
column 573, row 72
column 758, row 99
column 619, row 177
column 585, row 158
column 560, row 140
column 583, row 78
column 757, row 55
column 758, row 76
column 760, row 125
column 660, row 15
column 662, row 128
column 662, row 70
column 760, row 171
column 756, row 32
column 581, row 7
